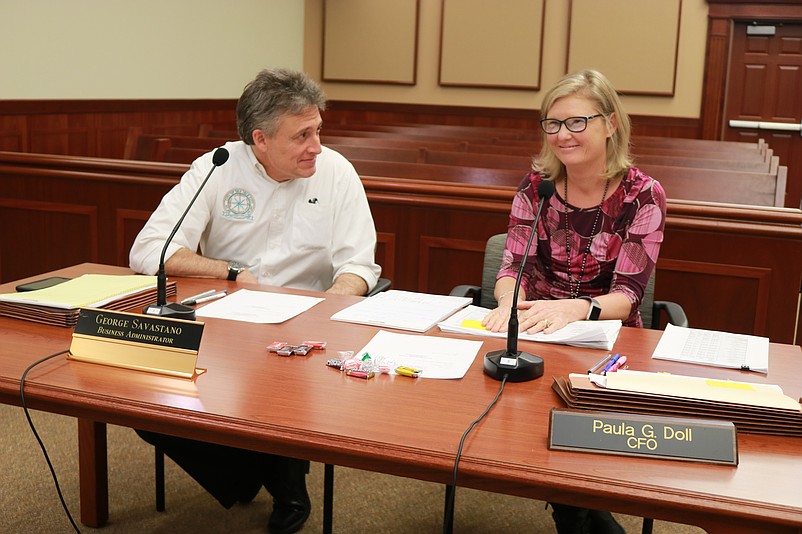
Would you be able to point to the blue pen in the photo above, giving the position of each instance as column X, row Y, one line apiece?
column 610, row 363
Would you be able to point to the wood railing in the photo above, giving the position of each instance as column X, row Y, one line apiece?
column 732, row 267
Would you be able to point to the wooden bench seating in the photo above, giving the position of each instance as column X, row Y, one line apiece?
column 430, row 233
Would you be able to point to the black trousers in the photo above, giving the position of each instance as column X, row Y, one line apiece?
column 228, row 473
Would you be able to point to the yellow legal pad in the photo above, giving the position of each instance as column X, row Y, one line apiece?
column 87, row 290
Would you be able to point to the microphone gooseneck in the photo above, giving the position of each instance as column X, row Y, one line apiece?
column 162, row 308
column 519, row 366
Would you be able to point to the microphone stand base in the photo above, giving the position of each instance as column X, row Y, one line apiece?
column 171, row 310
column 519, row 366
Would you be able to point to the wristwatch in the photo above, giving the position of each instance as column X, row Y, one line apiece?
column 595, row 309
column 234, row 268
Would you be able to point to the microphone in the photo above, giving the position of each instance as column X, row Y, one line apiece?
column 173, row 309
column 517, row 365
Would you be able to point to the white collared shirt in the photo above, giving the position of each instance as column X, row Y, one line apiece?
column 302, row 233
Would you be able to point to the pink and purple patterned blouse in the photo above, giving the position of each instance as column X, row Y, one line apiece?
column 623, row 250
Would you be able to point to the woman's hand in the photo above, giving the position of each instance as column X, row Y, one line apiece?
column 548, row 316
column 535, row 316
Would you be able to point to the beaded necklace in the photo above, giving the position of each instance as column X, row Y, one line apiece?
column 574, row 290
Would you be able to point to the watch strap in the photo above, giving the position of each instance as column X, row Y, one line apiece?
column 595, row 309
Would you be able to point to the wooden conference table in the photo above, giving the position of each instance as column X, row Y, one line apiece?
column 297, row 406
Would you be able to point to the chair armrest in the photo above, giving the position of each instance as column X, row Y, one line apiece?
column 383, row 284
column 674, row 312
column 475, row 292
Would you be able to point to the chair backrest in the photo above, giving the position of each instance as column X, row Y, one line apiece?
column 493, row 252
column 647, row 303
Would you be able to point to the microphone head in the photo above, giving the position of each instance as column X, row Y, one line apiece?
column 545, row 190
column 221, row 156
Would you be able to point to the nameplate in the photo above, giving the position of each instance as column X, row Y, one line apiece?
column 134, row 341
column 671, row 438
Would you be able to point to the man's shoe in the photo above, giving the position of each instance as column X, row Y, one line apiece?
column 288, row 517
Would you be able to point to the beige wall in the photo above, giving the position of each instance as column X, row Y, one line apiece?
column 685, row 102
column 141, row 49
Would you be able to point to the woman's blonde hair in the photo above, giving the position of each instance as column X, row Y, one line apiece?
column 596, row 87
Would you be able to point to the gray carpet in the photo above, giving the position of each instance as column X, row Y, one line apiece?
column 364, row 502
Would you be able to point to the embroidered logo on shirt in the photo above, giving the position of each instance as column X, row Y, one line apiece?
column 312, row 200
column 238, row 204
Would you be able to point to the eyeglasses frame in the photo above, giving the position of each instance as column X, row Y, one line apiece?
column 563, row 123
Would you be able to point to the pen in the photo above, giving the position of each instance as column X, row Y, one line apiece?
column 189, row 301
column 601, row 362
column 213, row 296
column 610, row 363
column 618, row 365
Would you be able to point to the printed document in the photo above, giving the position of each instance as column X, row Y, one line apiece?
column 258, row 306
column 436, row 357
column 405, row 310
column 710, row 347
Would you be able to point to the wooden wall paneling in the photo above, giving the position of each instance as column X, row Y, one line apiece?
column 61, row 233
column 745, row 274
column 63, row 133
column 739, row 294
column 14, row 133
column 444, row 261
column 128, row 224
column 386, row 253
column 370, row 41
column 481, row 45
column 640, row 60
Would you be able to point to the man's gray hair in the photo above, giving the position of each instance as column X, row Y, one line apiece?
column 271, row 95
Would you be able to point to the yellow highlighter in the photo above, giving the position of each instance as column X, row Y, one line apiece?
column 403, row 370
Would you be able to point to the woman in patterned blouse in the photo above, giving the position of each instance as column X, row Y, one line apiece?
column 599, row 235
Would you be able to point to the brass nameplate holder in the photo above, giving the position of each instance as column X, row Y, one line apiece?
column 133, row 341
column 672, row 438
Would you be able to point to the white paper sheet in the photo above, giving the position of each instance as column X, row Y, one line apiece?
column 710, row 347
column 405, row 310
column 436, row 357
column 258, row 306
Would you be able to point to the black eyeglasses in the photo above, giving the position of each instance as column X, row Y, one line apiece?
column 573, row 124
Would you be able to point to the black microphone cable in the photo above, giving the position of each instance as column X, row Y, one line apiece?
column 448, row 519
column 36, row 434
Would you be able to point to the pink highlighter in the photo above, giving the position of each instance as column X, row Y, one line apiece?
column 618, row 364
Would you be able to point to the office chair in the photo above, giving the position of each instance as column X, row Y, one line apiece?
column 383, row 284
column 651, row 310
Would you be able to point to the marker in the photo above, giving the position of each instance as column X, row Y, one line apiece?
column 191, row 300
column 412, row 372
column 213, row 296
column 601, row 362
column 610, row 363
column 618, row 365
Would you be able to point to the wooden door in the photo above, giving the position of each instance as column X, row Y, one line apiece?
column 765, row 85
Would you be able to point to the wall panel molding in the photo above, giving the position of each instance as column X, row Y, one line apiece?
column 370, row 41
column 484, row 46
column 640, row 49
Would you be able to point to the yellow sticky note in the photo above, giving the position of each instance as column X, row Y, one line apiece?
column 473, row 323
column 728, row 384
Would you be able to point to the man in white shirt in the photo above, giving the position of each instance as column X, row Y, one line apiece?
column 283, row 210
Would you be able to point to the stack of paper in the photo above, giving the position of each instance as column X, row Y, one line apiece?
column 710, row 347
column 405, row 310
column 60, row 304
column 587, row 334
column 753, row 408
